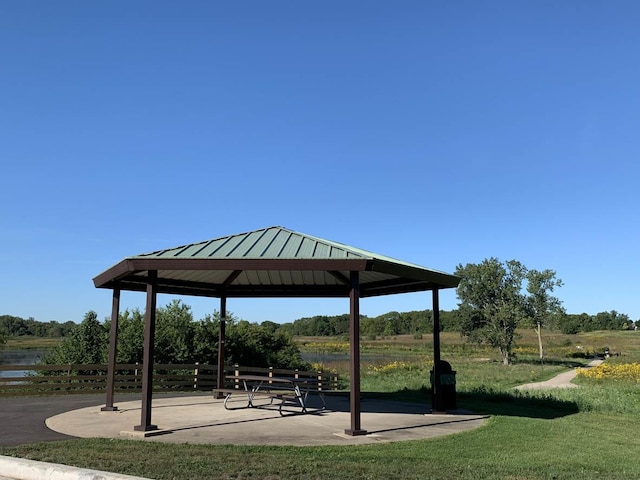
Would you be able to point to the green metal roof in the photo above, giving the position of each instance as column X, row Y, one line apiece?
column 271, row 262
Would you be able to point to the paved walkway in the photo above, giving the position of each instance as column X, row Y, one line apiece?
column 562, row 380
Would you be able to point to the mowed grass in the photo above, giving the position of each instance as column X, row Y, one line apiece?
column 580, row 446
column 583, row 433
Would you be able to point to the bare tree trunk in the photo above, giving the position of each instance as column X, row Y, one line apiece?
column 539, row 332
column 506, row 356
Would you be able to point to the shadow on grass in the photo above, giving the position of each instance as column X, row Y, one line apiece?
column 485, row 401
column 550, row 361
column 516, row 404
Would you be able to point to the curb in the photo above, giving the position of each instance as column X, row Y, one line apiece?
column 22, row 469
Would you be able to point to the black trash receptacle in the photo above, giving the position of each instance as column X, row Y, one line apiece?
column 447, row 387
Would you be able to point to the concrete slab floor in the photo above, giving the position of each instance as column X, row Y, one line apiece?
column 203, row 419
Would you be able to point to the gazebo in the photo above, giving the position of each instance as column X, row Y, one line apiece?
column 270, row 262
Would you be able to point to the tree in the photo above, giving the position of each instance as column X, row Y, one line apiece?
column 250, row 344
column 540, row 305
column 130, row 336
column 87, row 344
column 175, row 332
column 491, row 302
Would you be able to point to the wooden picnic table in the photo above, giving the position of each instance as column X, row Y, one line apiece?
column 290, row 391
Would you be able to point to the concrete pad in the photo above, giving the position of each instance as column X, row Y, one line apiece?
column 203, row 419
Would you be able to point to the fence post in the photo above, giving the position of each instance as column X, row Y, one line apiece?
column 237, row 374
column 135, row 376
column 195, row 376
column 319, row 379
column 69, row 377
column 296, row 373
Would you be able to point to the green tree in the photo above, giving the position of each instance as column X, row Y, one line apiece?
column 540, row 305
column 13, row 326
column 205, row 338
column 179, row 339
column 175, row 331
column 87, row 344
column 252, row 345
column 451, row 321
column 491, row 303
column 130, row 336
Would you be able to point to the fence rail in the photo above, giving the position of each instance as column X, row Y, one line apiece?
column 70, row 379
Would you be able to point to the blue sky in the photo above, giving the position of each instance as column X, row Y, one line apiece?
column 439, row 133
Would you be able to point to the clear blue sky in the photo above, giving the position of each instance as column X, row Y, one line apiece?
column 435, row 132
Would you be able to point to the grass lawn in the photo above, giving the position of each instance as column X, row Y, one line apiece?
column 586, row 433
column 579, row 446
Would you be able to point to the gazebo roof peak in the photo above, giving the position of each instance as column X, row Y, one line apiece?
column 270, row 242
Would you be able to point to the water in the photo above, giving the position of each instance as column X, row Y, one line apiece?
column 19, row 357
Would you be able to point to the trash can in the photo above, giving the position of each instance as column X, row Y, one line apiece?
column 447, row 386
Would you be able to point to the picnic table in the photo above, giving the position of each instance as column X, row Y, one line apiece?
column 290, row 391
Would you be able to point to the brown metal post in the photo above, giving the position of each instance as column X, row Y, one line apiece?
column 221, row 342
column 113, row 349
column 147, row 358
column 354, row 368
column 436, row 396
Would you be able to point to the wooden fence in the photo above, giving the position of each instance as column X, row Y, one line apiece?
column 70, row 379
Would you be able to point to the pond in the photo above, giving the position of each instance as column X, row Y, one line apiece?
column 19, row 357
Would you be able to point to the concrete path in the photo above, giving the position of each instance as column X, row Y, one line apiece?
column 559, row 381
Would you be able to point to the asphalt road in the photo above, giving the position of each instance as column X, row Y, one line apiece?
column 22, row 419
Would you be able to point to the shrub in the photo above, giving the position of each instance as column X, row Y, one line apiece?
column 629, row 372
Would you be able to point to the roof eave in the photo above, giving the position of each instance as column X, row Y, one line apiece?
column 125, row 268
column 435, row 278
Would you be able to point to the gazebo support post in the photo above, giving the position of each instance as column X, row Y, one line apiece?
column 354, row 368
column 221, row 342
column 437, row 391
column 113, row 348
column 147, row 357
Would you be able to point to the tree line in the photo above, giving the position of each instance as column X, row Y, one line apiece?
column 420, row 322
column 11, row 326
column 388, row 324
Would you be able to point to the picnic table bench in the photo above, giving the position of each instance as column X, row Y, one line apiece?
column 290, row 391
